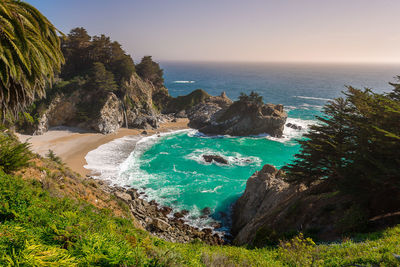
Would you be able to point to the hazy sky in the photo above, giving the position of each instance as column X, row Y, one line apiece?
column 239, row 30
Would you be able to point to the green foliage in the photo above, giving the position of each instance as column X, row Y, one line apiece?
column 30, row 54
column 298, row 251
column 253, row 97
column 13, row 154
column 355, row 148
column 39, row 230
column 51, row 155
column 82, row 52
column 100, row 79
column 150, row 71
column 187, row 101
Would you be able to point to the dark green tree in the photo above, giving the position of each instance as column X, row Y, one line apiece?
column 355, row 148
column 100, row 79
column 150, row 71
column 82, row 51
column 76, row 48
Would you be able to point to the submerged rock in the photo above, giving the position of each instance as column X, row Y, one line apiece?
column 215, row 158
column 206, row 211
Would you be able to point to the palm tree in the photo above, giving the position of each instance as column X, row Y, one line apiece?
column 30, row 54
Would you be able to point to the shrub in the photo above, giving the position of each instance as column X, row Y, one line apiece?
column 51, row 155
column 297, row 251
column 13, row 154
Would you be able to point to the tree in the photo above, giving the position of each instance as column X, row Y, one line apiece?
column 100, row 79
column 75, row 48
column 30, row 54
column 82, row 51
column 150, row 71
column 253, row 97
column 355, row 148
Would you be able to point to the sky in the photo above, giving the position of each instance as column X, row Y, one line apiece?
column 361, row 31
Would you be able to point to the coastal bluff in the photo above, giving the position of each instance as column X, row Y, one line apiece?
column 218, row 115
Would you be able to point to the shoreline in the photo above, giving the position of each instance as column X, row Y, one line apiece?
column 72, row 144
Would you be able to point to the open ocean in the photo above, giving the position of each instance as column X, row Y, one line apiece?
column 170, row 169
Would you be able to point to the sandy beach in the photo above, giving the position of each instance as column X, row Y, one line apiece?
column 72, row 145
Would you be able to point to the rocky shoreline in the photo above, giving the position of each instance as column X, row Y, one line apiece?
column 159, row 220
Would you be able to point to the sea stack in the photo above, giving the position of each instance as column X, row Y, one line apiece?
column 247, row 116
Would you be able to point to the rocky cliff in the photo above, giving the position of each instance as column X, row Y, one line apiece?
column 102, row 111
column 218, row 115
column 270, row 209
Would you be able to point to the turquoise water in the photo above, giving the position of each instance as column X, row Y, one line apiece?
column 170, row 168
column 173, row 172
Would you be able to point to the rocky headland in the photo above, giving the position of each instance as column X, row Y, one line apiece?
column 220, row 116
column 271, row 209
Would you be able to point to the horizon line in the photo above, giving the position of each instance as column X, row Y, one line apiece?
column 283, row 62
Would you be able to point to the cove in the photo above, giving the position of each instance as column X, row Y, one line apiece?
column 170, row 169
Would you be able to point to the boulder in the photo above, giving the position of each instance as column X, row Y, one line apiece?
column 160, row 225
column 215, row 158
column 206, row 211
column 124, row 196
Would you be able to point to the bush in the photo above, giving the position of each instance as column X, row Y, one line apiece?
column 13, row 154
column 51, row 155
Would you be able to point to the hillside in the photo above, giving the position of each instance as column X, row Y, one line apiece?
column 50, row 215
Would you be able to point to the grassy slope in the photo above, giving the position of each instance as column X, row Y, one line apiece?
column 39, row 227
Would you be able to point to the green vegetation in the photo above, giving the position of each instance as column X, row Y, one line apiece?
column 83, row 52
column 13, row 155
column 187, row 101
column 30, row 53
column 100, row 79
column 37, row 229
column 253, row 97
column 150, row 71
column 356, row 149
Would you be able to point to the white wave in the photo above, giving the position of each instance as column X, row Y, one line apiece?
column 105, row 160
column 212, row 190
column 313, row 98
column 290, row 134
column 289, row 108
column 310, row 107
column 131, row 174
column 184, row 81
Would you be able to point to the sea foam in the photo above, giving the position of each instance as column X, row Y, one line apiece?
column 184, row 81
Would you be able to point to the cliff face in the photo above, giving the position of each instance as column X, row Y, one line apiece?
column 103, row 111
column 220, row 116
column 265, row 193
column 271, row 209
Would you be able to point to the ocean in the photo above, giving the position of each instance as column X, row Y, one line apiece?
column 170, row 168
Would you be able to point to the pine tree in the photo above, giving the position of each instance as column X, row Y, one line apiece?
column 355, row 147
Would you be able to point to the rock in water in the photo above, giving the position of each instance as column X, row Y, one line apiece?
column 216, row 158
column 242, row 118
column 294, row 126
